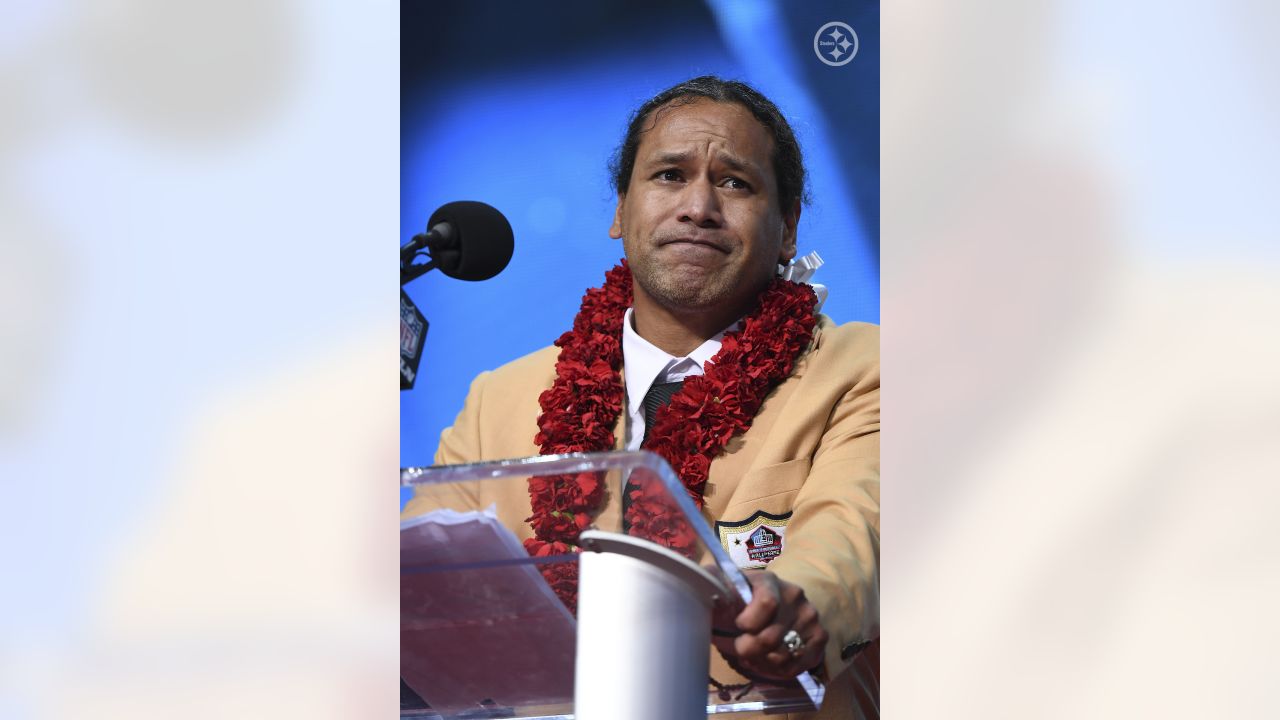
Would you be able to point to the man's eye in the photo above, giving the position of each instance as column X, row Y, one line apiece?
column 735, row 184
column 668, row 175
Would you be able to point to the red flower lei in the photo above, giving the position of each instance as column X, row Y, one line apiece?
column 581, row 409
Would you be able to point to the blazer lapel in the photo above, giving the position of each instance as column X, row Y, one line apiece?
column 739, row 456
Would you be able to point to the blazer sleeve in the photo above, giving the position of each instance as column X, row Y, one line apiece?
column 459, row 443
column 833, row 541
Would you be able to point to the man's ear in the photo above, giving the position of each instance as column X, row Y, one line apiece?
column 790, row 221
column 616, row 230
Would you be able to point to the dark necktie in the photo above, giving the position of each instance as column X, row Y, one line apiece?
column 659, row 394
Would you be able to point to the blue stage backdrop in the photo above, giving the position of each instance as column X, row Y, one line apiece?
column 521, row 104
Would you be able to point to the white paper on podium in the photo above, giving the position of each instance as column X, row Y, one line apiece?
column 478, row 621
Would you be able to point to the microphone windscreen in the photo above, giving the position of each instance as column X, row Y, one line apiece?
column 484, row 240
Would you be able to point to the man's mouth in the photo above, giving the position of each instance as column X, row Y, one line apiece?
column 695, row 241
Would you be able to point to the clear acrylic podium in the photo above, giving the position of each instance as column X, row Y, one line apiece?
column 484, row 634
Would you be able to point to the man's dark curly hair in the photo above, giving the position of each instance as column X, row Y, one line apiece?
column 788, row 162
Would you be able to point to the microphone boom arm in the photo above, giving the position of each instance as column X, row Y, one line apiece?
column 409, row 273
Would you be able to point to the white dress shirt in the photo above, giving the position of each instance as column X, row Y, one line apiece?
column 644, row 364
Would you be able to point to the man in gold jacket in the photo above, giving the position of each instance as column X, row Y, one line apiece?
column 710, row 184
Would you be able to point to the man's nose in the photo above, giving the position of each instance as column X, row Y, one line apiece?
column 700, row 204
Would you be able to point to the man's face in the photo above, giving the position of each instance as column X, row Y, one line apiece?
column 700, row 222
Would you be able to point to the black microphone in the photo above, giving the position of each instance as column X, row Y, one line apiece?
column 466, row 240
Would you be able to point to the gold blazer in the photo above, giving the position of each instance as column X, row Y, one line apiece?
column 810, row 461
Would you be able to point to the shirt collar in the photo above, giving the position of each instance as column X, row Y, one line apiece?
column 644, row 363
